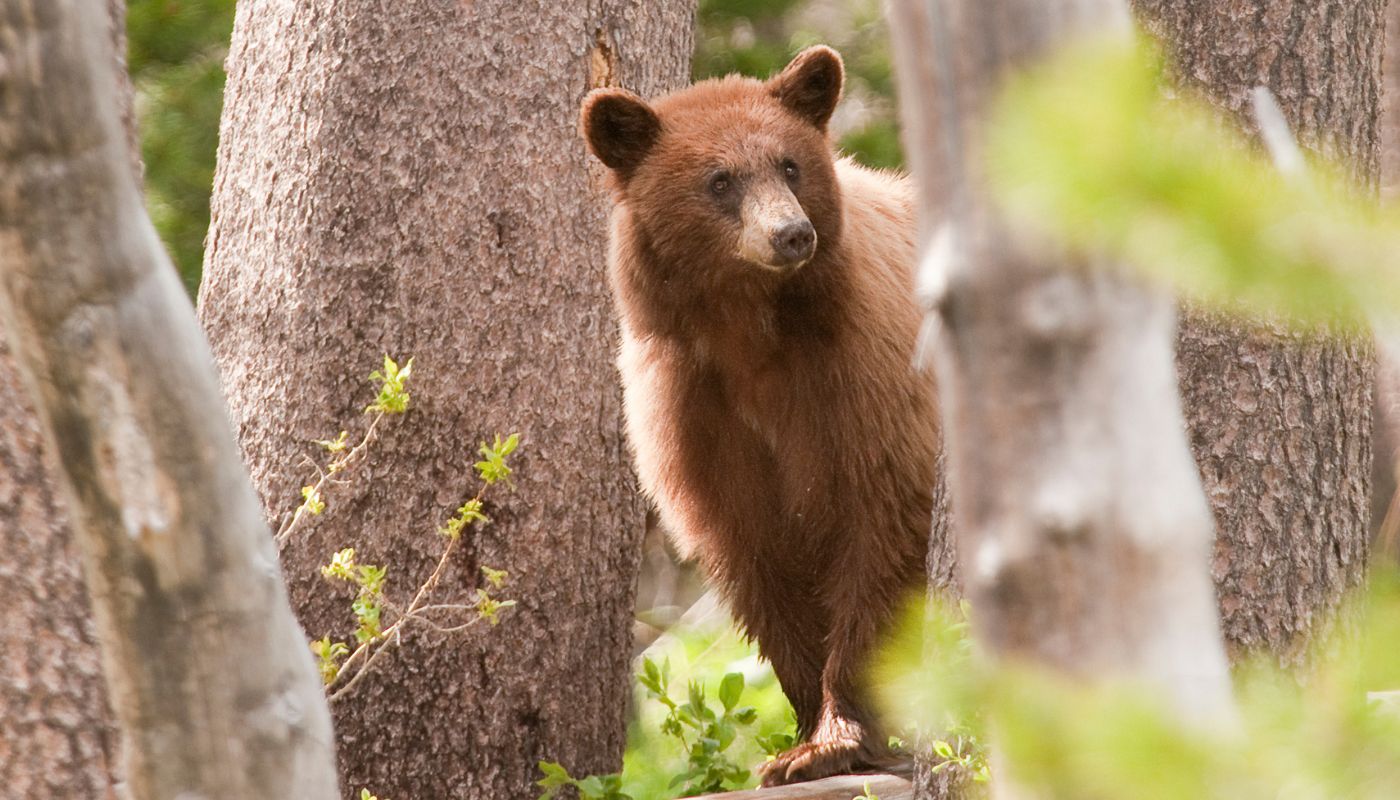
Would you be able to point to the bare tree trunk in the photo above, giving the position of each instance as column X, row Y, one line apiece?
column 1082, row 530
column 1390, row 105
column 408, row 179
column 207, row 669
column 1385, row 502
column 57, row 737
column 1280, row 425
column 57, row 740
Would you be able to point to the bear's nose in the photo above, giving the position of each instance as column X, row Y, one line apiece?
column 794, row 242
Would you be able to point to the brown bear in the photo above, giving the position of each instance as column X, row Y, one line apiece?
column 766, row 295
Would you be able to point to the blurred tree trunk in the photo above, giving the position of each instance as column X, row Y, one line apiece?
column 1390, row 105
column 408, row 179
column 59, row 740
column 1084, row 545
column 205, row 665
column 1280, row 424
column 1385, row 504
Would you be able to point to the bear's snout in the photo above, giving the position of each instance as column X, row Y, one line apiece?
column 793, row 242
column 776, row 235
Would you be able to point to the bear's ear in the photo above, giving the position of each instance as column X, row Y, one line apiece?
column 810, row 85
column 620, row 128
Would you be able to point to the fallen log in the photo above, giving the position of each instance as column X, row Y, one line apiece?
column 841, row 787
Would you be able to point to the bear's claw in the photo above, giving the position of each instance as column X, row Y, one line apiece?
column 823, row 756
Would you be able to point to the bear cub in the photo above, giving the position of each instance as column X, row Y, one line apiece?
column 766, row 297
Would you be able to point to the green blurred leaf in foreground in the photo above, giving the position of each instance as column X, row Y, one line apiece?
column 1091, row 150
column 1328, row 737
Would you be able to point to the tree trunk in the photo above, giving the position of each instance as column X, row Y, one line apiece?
column 59, row 740
column 1280, row 424
column 1385, row 408
column 1390, row 105
column 207, row 669
column 1082, row 530
column 1385, row 504
column 409, row 179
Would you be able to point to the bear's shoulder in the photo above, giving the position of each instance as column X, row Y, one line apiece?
column 875, row 191
column 879, row 218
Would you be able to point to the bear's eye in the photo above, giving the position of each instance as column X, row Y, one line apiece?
column 720, row 183
column 790, row 169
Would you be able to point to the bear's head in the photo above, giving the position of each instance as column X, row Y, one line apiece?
column 734, row 170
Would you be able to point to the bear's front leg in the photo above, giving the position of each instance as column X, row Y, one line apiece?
column 847, row 736
column 781, row 611
column 863, row 594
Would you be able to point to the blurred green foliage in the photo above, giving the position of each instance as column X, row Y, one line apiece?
column 1090, row 150
column 704, row 653
column 685, row 747
column 701, row 729
column 175, row 51
column 758, row 37
column 1330, row 738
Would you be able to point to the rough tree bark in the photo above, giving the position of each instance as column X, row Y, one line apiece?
column 206, row 667
column 57, row 740
column 409, row 179
column 1281, row 426
column 57, row 737
column 1082, row 530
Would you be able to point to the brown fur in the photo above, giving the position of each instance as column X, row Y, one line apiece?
column 775, row 416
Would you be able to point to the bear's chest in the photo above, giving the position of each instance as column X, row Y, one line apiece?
column 782, row 392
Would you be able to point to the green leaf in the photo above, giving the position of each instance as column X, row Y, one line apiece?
column 393, row 395
column 489, row 608
column 650, row 672
column 554, row 772
column 724, row 734
column 335, row 445
column 495, row 577
column 590, row 787
column 311, row 502
column 774, row 744
column 1089, row 150
column 371, row 578
column 685, row 776
column 730, row 689
column 555, row 777
column 493, row 467
column 341, row 566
